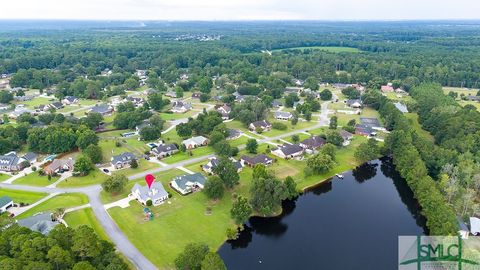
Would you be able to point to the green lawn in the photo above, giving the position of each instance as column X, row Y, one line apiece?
column 94, row 177
column 196, row 167
column 88, row 102
column 19, row 196
column 176, row 116
column 240, row 141
column 4, row 177
column 143, row 165
column 301, row 137
column 65, row 200
column 34, row 179
column 197, row 152
column 175, row 225
column 164, row 177
column 85, row 217
column 290, row 127
column 37, row 101
column 413, row 118
column 324, row 48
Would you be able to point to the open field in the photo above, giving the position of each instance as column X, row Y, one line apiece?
column 322, row 48
column 197, row 152
column 85, row 217
column 19, row 196
column 34, row 179
column 66, row 200
column 4, row 177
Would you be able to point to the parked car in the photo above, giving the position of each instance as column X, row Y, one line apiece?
column 106, row 171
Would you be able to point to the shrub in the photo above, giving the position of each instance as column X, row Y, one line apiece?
column 279, row 126
column 149, row 203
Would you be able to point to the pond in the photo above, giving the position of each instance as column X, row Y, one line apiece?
column 350, row 223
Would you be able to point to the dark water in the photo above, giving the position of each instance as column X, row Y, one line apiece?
column 352, row 223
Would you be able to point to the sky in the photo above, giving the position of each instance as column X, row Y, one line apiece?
column 213, row 10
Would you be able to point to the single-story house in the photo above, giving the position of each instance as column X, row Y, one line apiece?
column 283, row 116
column 30, row 157
column 463, row 231
column 354, row 103
column 213, row 162
column 296, row 103
column 341, row 85
column 239, row 97
column 188, row 183
column 42, row 108
column 195, row 142
column 346, row 136
column 103, row 109
column 288, row 151
column 156, row 193
column 233, row 134
column 171, row 94
column 164, row 150
column 56, row 105
column 401, row 107
column 276, row 104
column 122, row 160
column 181, row 107
column 258, row 159
column 313, row 143
column 69, row 100
column 42, row 223
column 138, row 128
column 5, row 203
column 387, row 88
column 264, row 125
column 475, row 225
column 11, row 162
column 59, row 166
column 225, row 111
column 137, row 101
column 19, row 110
column 364, row 130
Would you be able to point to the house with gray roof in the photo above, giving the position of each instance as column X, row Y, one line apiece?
column 156, row 193
column 258, row 159
column 11, row 162
column 288, row 151
column 42, row 223
column 233, row 134
column 123, row 160
column 56, row 105
column 188, row 183
column 225, row 111
column 164, row 150
column 195, row 142
column 401, row 107
column 346, row 136
column 19, row 110
column 313, row 143
column 354, row 103
column 181, row 106
column 463, row 231
column 103, row 109
column 276, row 104
column 213, row 162
column 264, row 125
column 5, row 203
column 282, row 115
column 30, row 157
column 69, row 100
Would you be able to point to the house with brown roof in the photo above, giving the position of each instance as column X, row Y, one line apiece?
column 59, row 166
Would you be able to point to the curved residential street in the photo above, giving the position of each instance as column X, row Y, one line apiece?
column 120, row 240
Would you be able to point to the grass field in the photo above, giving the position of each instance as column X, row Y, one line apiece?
column 35, row 102
column 94, row 177
column 323, row 48
column 34, row 179
column 176, row 116
column 290, row 127
column 19, row 196
column 66, row 200
column 197, row 152
column 4, row 177
column 413, row 118
column 85, row 217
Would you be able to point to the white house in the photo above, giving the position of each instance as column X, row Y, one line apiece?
column 5, row 203
column 69, row 100
column 181, row 107
column 225, row 111
column 156, row 193
column 195, row 142
column 188, row 183
column 283, row 115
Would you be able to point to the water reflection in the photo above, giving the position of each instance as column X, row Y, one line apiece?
column 365, row 172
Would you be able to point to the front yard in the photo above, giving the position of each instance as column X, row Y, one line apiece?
column 66, row 200
column 34, row 179
column 19, row 196
column 85, row 217
column 93, row 178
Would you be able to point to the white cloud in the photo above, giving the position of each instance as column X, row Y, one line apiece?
column 240, row 9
